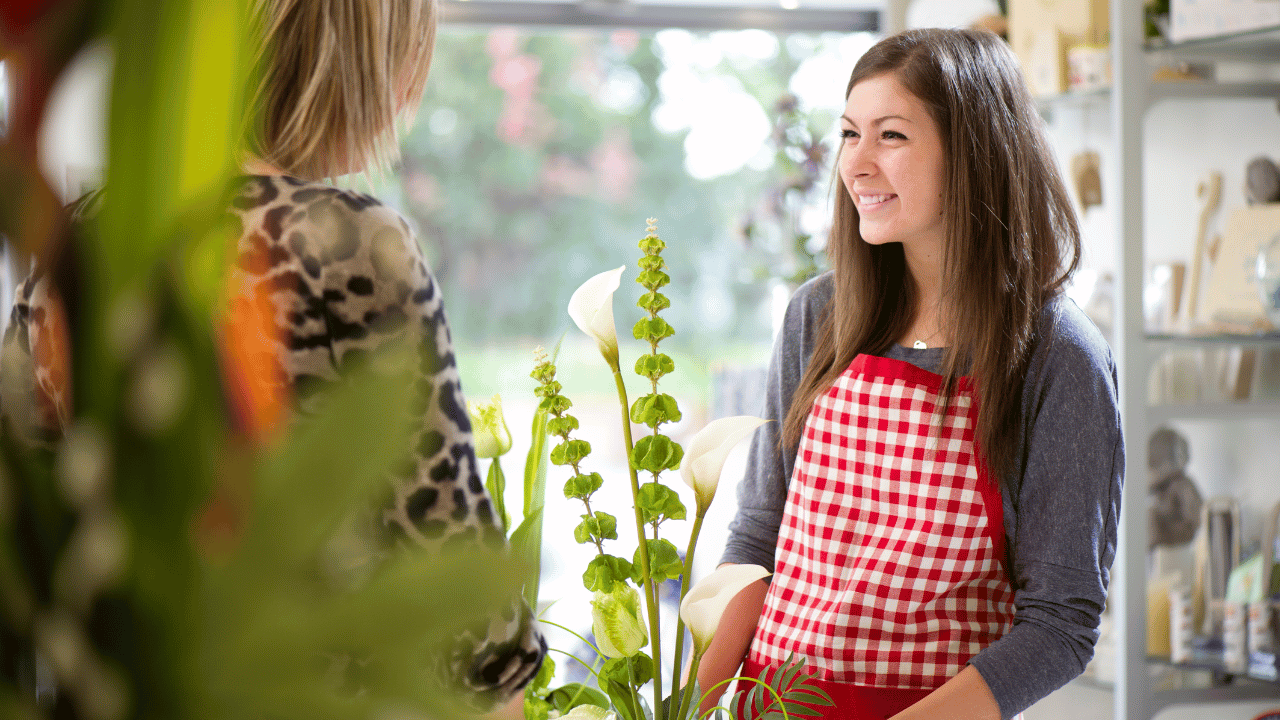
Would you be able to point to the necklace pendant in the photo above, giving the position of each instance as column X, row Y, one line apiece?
column 919, row 345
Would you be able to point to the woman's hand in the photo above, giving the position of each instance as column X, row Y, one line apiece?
column 729, row 646
column 963, row 697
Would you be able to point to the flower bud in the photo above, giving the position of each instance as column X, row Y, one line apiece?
column 618, row 622
column 492, row 437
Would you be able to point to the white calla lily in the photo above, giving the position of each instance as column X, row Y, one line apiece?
column 704, row 457
column 702, row 607
column 591, row 308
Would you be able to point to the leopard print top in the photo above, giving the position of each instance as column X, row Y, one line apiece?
column 345, row 276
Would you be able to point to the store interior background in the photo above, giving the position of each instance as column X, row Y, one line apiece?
column 1185, row 139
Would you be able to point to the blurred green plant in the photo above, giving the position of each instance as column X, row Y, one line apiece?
column 778, row 244
column 159, row 560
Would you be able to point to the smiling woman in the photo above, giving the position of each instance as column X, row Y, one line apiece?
column 943, row 412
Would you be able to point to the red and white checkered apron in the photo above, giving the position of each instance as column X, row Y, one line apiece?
column 890, row 565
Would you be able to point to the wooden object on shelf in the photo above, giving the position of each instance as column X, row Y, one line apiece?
column 1232, row 294
column 1209, row 191
column 1217, row 554
column 1160, row 618
column 1238, row 370
column 1167, row 285
column 1086, row 174
column 1040, row 31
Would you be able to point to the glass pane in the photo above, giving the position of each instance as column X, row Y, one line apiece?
column 535, row 160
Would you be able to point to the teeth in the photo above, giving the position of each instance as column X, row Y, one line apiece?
column 872, row 199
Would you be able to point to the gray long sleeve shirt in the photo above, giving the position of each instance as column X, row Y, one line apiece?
column 1060, row 509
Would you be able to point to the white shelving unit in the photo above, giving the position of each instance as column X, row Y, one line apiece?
column 1133, row 95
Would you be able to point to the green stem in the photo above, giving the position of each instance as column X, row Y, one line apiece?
column 693, row 678
column 683, row 701
column 585, row 641
column 580, row 662
column 497, row 487
column 776, row 697
column 649, row 596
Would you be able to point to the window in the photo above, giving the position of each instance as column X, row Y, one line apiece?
column 537, row 156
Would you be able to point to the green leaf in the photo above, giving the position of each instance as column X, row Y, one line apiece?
column 656, row 453
column 556, row 404
column 655, row 409
column 626, row 701
column 598, row 526
column 675, row 697
column 664, row 560
column 496, row 484
column 570, row 452
column 635, row 670
column 652, row 330
column 582, row 486
column 653, row 301
column 535, row 465
column 535, row 708
column 526, row 541
column 657, row 502
column 653, row 279
column 654, row 367
column 526, row 546
column 606, row 571
column 651, row 245
column 650, row 262
column 542, row 681
column 548, row 389
column 562, row 426
column 570, row 696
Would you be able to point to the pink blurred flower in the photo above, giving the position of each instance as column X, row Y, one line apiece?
column 615, row 164
column 517, row 75
column 625, row 40
column 502, row 43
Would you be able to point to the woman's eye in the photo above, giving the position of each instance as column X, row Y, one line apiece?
column 848, row 134
column 892, row 135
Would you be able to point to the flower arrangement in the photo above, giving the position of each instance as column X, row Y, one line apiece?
column 625, row 618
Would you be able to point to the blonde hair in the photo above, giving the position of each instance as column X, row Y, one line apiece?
column 333, row 77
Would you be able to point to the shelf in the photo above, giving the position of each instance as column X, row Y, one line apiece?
column 1166, row 90
column 1261, row 45
column 1164, row 341
column 1253, row 678
column 1242, row 410
column 1194, row 89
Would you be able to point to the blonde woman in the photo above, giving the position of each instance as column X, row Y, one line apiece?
column 341, row 275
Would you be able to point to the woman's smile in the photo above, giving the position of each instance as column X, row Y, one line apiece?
column 872, row 202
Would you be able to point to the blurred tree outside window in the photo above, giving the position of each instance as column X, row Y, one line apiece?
column 536, row 157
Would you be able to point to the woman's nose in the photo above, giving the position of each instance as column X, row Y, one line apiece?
column 857, row 161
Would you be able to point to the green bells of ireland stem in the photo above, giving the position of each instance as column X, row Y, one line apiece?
column 618, row 622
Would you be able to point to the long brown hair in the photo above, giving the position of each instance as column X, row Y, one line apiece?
column 1012, row 240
